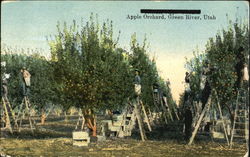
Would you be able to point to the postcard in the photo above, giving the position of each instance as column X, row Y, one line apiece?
column 124, row 78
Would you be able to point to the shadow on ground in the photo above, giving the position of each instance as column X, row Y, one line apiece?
column 55, row 139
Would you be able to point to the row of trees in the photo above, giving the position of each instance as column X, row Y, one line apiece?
column 42, row 79
column 87, row 70
column 224, row 53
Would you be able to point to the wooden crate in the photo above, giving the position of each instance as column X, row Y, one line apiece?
column 81, row 138
column 219, row 135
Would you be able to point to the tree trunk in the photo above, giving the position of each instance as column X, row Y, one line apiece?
column 43, row 117
column 91, row 121
column 223, row 122
column 66, row 118
column 151, row 118
column 111, row 116
column 231, row 113
column 94, row 130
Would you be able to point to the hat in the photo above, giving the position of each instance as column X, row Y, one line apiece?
column 3, row 63
column 241, row 49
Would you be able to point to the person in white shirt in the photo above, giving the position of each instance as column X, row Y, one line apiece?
column 25, row 81
column 5, row 78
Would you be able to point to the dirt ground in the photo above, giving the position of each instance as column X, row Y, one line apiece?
column 54, row 139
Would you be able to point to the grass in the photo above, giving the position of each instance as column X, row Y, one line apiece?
column 55, row 139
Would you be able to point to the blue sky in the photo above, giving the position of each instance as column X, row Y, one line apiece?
column 26, row 25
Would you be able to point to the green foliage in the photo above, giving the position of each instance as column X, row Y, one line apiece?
column 195, row 67
column 147, row 69
column 140, row 60
column 42, row 87
column 91, row 71
column 221, row 53
column 86, row 70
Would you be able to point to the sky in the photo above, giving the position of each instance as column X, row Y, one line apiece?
column 26, row 24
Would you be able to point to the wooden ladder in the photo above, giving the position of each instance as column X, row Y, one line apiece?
column 26, row 110
column 125, row 124
column 202, row 115
column 157, row 100
column 81, row 119
column 241, row 118
column 139, row 119
column 8, row 113
column 145, row 116
column 128, row 121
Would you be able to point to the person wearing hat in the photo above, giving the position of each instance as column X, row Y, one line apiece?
column 137, row 83
column 4, row 84
column 156, row 92
column 5, row 78
column 188, row 119
column 187, row 77
column 206, row 87
column 187, row 87
column 25, row 80
column 239, row 68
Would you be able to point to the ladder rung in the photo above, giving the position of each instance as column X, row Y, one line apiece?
column 239, row 136
column 241, row 109
column 239, row 122
column 239, row 129
column 242, row 131
column 242, row 103
column 240, row 116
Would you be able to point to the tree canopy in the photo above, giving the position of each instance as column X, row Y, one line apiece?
column 87, row 69
column 223, row 52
